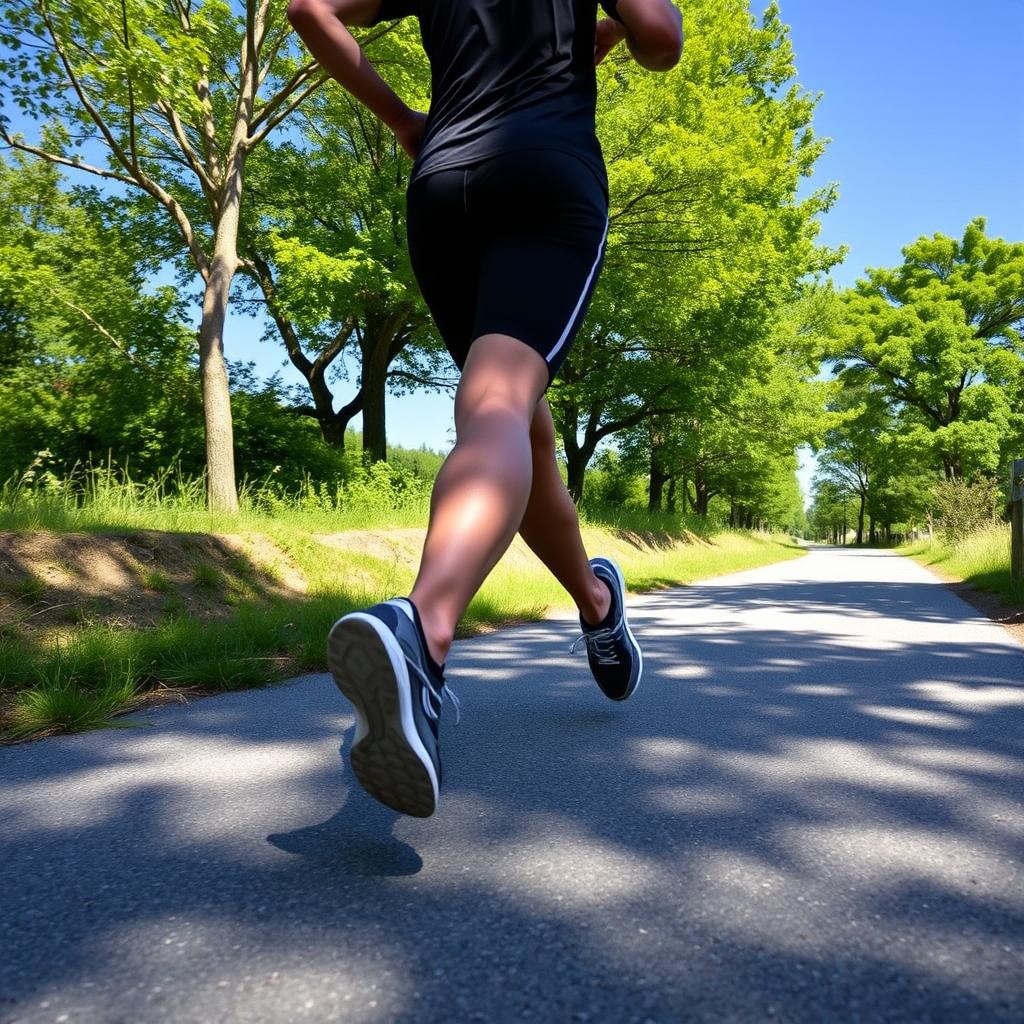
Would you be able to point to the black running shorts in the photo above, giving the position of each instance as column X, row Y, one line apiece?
column 509, row 245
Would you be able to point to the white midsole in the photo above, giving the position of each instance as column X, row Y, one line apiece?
column 399, row 667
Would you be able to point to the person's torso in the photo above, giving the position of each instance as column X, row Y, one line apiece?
column 509, row 74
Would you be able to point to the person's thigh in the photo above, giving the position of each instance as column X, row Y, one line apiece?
column 445, row 256
column 541, row 217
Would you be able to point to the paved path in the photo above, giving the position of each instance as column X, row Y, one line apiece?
column 812, row 810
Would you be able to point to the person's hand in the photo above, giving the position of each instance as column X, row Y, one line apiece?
column 608, row 35
column 409, row 131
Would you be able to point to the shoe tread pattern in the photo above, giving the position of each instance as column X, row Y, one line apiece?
column 383, row 761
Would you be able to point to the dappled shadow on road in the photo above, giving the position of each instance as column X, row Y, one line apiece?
column 358, row 840
column 812, row 810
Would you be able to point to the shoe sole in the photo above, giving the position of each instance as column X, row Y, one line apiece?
column 388, row 757
column 636, row 647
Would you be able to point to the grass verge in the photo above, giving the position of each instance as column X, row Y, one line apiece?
column 82, row 676
column 982, row 560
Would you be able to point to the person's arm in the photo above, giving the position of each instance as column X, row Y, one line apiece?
column 322, row 26
column 653, row 30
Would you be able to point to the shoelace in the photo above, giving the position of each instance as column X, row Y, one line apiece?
column 429, row 688
column 601, row 643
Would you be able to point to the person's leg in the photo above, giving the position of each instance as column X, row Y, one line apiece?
column 551, row 525
column 483, row 487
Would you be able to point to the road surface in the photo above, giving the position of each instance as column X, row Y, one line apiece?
column 812, row 810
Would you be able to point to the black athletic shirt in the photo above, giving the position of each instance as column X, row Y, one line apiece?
column 505, row 75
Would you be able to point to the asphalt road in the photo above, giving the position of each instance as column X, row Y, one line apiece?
column 812, row 810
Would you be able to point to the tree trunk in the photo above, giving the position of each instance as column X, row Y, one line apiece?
column 656, row 487
column 576, row 469
column 380, row 344
column 577, row 456
column 333, row 432
column 700, row 505
column 670, row 498
column 952, row 467
column 375, row 440
column 221, row 489
column 860, row 522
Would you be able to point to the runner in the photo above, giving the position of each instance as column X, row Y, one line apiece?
column 507, row 218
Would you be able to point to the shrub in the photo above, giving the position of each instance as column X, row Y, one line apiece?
column 964, row 508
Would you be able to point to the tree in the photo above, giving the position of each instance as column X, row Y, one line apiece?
column 97, row 362
column 172, row 98
column 858, row 447
column 707, row 237
column 940, row 338
column 331, row 264
column 831, row 512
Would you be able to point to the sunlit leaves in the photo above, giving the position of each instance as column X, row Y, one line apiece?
column 939, row 337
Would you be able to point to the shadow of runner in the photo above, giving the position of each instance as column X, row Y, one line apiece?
column 358, row 840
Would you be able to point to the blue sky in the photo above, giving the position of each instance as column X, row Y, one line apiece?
column 922, row 101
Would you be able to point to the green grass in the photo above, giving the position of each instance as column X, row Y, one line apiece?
column 81, row 682
column 29, row 588
column 207, row 577
column 153, row 579
column 97, row 671
column 982, row 559
column 107, row 500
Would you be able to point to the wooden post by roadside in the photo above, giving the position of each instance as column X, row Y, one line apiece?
column 1017, row 520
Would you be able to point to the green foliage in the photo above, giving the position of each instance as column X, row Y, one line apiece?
column 708, row 244
column 963, row 509
column 155, row 580
column 29, row 588
column 833, row 512
column 330, row 263
column 709, row 240
column 930, row 373
column 109, row 362
column 939, row 339
column 74, row 685
column 612, row 483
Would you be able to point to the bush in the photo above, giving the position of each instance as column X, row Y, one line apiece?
column 611, row 484
column 964, row 508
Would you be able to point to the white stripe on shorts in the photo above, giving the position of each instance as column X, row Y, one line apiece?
column 583, row 295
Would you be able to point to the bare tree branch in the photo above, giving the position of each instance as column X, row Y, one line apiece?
column 96, row 325
column 209, row 186
column 53, row 158
column 273, row 122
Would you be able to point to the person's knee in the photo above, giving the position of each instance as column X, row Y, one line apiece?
column 502, row 380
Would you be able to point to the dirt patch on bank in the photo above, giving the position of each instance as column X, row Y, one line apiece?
column 986, row 602
column 51, row 583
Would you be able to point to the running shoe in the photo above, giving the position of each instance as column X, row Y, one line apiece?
column 612, row 650
column 379, row 662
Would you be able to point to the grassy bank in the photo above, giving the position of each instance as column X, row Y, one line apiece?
column 982, row 559
column 250, row 602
